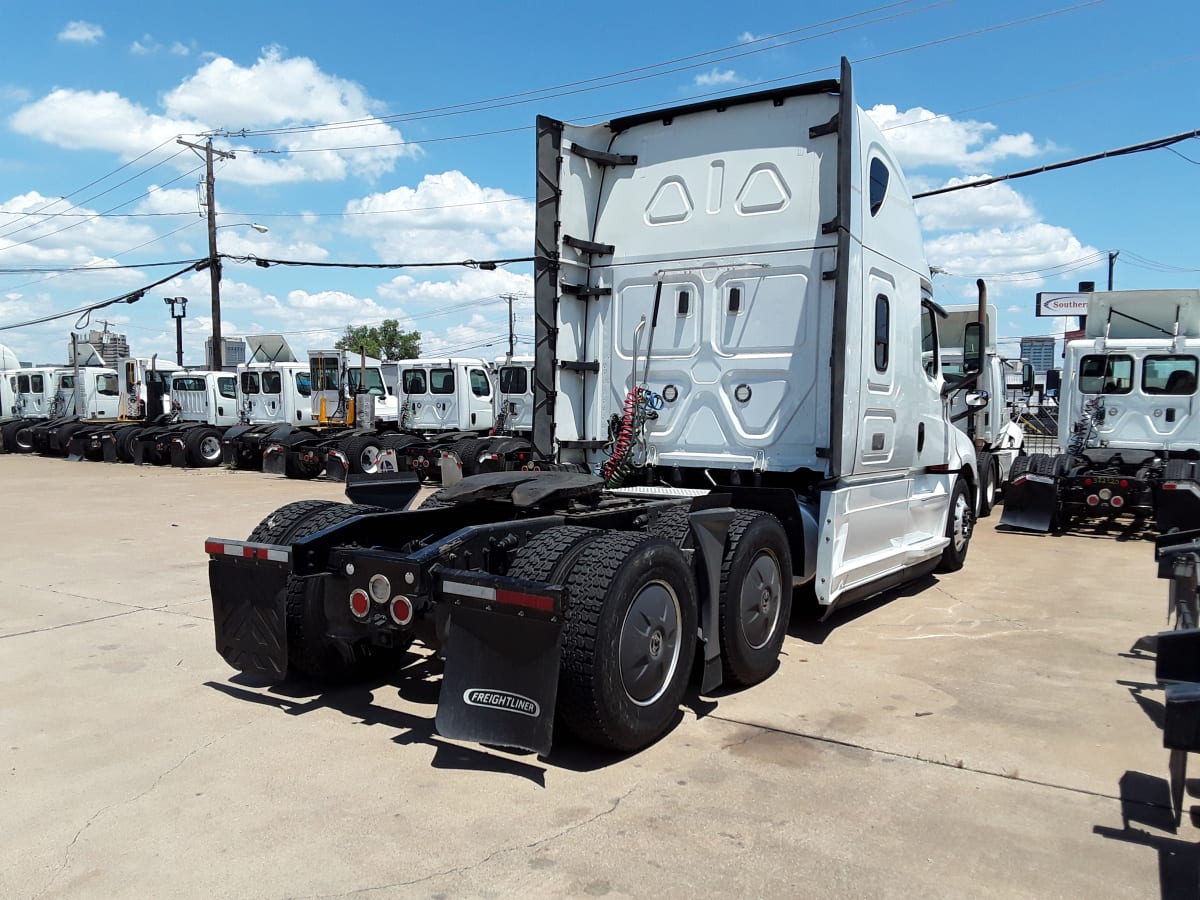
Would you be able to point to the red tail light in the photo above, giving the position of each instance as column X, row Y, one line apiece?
column 401, row 610
column 360, row 603
column 1087, row 482
column 1093, row 500
column 1117, row 501
column 1124, row 483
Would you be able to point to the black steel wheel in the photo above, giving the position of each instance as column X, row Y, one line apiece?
column 960, row 522
column 628, row 642
column 756, row 596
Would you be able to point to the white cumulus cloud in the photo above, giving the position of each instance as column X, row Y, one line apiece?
column 80, row 32
column 923, row 138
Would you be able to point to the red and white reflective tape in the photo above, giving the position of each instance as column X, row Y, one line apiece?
column 499, row 595
column 247, row 551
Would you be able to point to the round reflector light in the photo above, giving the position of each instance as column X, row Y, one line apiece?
column 380, row 588
column 401, row 610
column 1093, row 500
column 1118, row 501
column 360, row 603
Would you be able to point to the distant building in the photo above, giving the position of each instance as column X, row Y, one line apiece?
column 1039, row 352
column 109, row 344
column 233, row 353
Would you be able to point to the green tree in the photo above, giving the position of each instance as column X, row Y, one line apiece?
column 384, row 341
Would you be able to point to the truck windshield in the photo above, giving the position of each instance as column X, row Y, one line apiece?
column 272, row 382
column 188, row 384
column 249, row 382
column 66, row 382
column 373, row 382
column 1104, row 374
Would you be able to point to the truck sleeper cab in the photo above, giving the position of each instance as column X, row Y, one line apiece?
column 737, row 393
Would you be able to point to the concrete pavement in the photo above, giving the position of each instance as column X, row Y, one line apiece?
column 986, row 733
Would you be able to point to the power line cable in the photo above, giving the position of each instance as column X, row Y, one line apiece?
column 1157, row 144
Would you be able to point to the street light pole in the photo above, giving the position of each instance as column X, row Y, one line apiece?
column 182, row 301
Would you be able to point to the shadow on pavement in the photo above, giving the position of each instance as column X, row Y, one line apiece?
column 1146, row 801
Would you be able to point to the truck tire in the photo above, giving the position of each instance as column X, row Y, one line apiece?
column 362, row 453
column 548, row 554
column 123, row 442
column 276, row 527
column 467, row 451
column 62, row 438
column 628, row 642
column 22, row 439
column 755, row 602
column 311, row 651
column 203, row 447
column 1020, row 467
column 434, row 501
column 672, row 524
column 987, row 467
column 960, row 521
column 8, row 433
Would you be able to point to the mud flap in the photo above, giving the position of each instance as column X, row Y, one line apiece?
column 503, row 650
column 711, row 528
column 108, row 447
column 249, row 601
column 451, row 468
column 1030, row 503
column 75, row 448
column 138, row 449
column 275, row 459
column 337, row 465
column 178, row 453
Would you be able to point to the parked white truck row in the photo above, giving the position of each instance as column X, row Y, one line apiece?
column 338, row 411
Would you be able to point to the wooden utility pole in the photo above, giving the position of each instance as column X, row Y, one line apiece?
column 214, row 261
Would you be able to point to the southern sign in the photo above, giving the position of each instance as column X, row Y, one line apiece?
column 1050, row 303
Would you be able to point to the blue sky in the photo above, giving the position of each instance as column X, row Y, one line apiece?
column 438, row 164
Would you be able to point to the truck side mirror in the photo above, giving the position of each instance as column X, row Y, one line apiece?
column 972, row 348
column 1027, row 383
column 977, row 400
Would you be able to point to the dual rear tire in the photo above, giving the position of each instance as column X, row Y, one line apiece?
column 631, row 620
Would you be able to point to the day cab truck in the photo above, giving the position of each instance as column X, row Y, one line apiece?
column 985, row 412
column 1129, row 427
column 203, row 407
column 143, row 399
column 446, row 406
column 46, row 397
column 750, row 271
column 350, row 410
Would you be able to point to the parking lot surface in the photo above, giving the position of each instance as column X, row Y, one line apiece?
column 988, row 733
